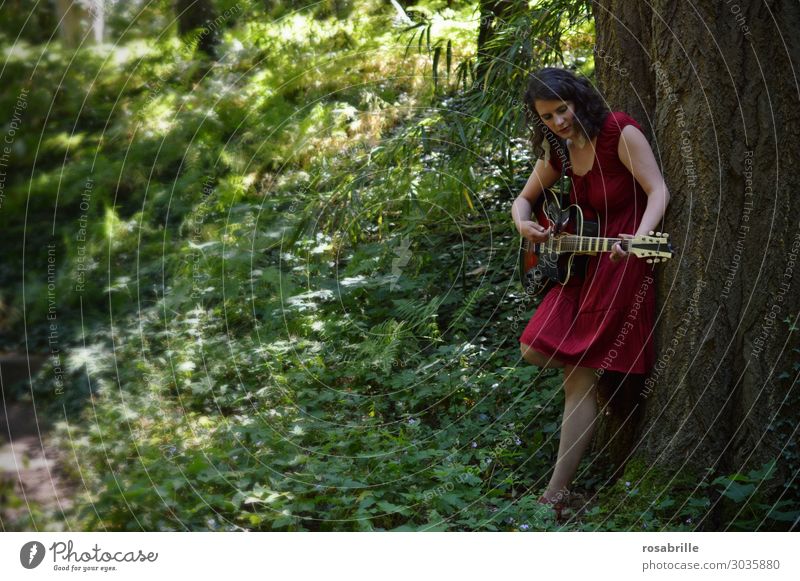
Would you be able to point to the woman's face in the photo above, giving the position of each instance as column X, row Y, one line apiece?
column 558, row 116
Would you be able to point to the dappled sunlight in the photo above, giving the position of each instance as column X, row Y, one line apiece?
column 271, row 273
column 158, row 116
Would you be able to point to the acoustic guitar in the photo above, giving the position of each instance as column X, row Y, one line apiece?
column 565, row 253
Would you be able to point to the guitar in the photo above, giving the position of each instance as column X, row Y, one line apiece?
column 573, row 239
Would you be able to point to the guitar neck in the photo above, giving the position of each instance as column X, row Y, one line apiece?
column 571, row 243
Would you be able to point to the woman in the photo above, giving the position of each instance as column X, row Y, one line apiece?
column 603, row 321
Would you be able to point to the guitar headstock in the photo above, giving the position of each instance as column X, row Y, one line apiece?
column 655, row 248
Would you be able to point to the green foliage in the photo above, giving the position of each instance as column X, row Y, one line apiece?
column 748, row 503
column 523, row 38
column 298, row 307
column 648, row 498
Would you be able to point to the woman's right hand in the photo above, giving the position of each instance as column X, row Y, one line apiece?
column 533, row 231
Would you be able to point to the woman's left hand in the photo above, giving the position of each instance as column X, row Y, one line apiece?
column 617, row 253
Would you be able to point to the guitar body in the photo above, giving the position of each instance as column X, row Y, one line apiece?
column 542, row 266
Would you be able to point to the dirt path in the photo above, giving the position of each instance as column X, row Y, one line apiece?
column 33, row 492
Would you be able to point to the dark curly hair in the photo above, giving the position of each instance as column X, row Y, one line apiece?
column 553, row 84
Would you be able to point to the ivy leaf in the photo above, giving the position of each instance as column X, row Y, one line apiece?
column 735, row 491
column 389, row 507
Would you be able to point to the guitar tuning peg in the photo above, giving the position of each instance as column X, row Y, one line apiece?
column 651, row 232
column 649, row 261
column 658, row 233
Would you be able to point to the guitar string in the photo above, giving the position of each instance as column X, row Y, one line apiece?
column 594, row 244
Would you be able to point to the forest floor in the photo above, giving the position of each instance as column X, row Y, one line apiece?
column 33, row 484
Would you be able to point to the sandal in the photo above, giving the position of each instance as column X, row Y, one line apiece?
column 558, row 506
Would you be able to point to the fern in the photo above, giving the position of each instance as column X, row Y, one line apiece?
column 385, row 344
column 418, row 314
column 459, row 320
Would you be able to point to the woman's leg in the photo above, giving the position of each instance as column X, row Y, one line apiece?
column 580, row 413
column 538, row 359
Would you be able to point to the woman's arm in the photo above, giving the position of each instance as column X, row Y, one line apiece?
column 635, row 153
column 543, row 176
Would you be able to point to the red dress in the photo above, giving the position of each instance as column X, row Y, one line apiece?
column 605, row 320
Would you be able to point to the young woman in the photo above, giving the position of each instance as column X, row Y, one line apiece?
column 603, row 321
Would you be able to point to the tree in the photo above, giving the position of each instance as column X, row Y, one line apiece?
column 20, row 20
column 714, row 86
column 76, row 15
column 198, row 24
column 494, row 13
column 97, row 11
column 69, row 18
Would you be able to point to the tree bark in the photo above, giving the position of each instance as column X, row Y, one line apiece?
column 713, row 84
column 198, row 25
column 623, row 41
column 69, row 14
column 98, row 14
column 492, row 16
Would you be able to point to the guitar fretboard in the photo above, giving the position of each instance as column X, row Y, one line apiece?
column 582, row 244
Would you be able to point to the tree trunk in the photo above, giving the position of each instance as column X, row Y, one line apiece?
column 198, row 25
column 492, row 16
column 622, row 55
column 70, row 14
column 712, row 82
column 98, row 20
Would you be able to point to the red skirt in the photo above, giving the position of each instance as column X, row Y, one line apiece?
column 590, row 323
